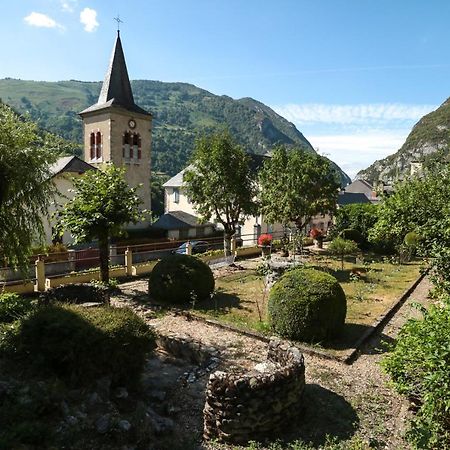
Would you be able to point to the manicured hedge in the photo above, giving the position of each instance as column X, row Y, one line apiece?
column 307, row 305
column 181, row 279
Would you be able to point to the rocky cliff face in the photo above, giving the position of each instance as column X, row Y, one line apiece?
column 429, row 138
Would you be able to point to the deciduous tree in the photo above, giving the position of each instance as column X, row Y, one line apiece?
column 220, row 183
column 103, row 204
column 295, row 186
column 26, row 187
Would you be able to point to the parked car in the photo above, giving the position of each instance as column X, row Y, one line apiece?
column 197, row 247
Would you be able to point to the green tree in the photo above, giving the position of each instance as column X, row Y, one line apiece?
column 157, row 193
column 295, row 186
column 342, row 247
column 421, row 205
column 220, row 183
column 360, row 217
column 26, row 186
column 103, row 204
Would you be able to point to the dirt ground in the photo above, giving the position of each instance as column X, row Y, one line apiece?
column 340, row 400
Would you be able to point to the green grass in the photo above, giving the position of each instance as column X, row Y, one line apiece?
column 371, row 289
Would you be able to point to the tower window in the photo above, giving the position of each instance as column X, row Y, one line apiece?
column 98, row 145
column 92, row 146
column 131, row 147
column 126, row 145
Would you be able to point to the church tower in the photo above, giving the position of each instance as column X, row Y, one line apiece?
column 118, row 131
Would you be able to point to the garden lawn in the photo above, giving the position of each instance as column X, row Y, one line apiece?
column 371, row 289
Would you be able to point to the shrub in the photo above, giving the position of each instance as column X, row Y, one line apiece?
column 342, row 247
column 307, row 305
column 13, row 307
column 76, row 293
column 179, row 279
column 351, row 234
column 80, row 344
column 316, row 234
column 419, row 367
column 411, row 239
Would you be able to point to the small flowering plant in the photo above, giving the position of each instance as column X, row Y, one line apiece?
column 316, row 234
column 265, row 240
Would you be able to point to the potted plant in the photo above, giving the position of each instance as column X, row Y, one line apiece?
column 265, row 242
column 318, row 237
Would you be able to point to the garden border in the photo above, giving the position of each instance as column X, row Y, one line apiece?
column 350, row 357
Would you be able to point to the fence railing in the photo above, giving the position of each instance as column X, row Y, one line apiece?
column 47, row 269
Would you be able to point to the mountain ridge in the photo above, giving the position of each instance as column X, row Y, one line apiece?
column 181, row 113
column 429, row 138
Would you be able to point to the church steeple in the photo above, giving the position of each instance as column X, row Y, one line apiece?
column 116, row 88
column 116, row 130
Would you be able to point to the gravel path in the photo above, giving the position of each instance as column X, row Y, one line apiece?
column 342, row 400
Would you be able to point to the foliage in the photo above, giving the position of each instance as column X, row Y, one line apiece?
column 342, row 247
column 181, row 279
column 440, row 270
column 77, row 293
column 352, row 235
column 157, row 193
column 360, row 217
column 295, row 186
column 80, row 344
column 419, row 205
column 307, row 305
column 265, row 239
column 220, row 183
column 103, row 204
column 26, row 186
column 419, row 367
column 13, row 307
column 411, row 239
column 182, row 112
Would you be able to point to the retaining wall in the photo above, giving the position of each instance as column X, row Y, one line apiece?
column 257, row 404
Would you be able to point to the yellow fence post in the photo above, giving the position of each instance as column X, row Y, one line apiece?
column 40, row 275
column 188, row 248
column 129, row 261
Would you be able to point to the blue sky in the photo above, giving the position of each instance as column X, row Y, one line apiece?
column 353, row 75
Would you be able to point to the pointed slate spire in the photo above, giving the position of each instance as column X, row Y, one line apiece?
column 116, row 89
column 116, row 86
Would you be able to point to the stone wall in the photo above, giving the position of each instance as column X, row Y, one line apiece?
column 257, row 404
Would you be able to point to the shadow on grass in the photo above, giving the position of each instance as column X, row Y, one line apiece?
column 352, row 332
column 221, row 302
column 325, row 414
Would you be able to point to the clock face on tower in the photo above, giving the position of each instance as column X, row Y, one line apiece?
column 132, row 124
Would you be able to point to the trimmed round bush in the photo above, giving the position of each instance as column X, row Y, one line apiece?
column 351, row 234
column 307, row 305
column 180, row 279
column 81, row 344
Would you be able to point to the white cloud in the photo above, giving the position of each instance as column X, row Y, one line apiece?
column 365, row 114
column 41, row 20
column 354, row 152
column 68, row 5
column 88, row 17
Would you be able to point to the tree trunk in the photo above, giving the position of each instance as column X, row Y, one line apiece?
column 104, row 259
column 227, row 244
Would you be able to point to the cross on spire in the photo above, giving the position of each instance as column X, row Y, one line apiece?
column 119, row 21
